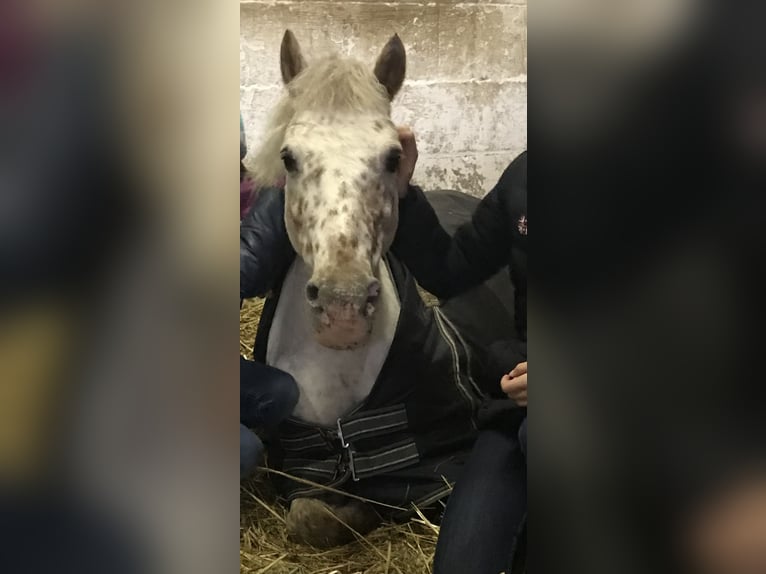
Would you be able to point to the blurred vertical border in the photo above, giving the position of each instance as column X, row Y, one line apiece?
column 118, row 228
column 647, row 121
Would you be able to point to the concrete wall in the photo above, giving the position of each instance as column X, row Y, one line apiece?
column 466, row 88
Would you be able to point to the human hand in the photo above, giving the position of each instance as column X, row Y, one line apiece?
column 514, row 384
column 408, row 160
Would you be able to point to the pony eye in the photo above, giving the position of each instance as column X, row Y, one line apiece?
column 392, row 160
column 291, row 165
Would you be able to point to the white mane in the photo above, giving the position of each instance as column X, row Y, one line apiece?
column 333, row 84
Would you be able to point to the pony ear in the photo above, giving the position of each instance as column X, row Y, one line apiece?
column 291, row 60
column 392, row 66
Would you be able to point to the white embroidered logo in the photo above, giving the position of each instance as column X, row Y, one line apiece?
column 522, row 225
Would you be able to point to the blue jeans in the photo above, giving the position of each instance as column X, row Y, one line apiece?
column 523, row 437
column 266, row 397
column 487, row 507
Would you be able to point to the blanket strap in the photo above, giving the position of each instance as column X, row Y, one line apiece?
column 346, row 458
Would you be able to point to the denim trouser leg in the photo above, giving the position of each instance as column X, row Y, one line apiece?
column 266, row 397
column 486, row 508
column 523, row 437
column 250, row 451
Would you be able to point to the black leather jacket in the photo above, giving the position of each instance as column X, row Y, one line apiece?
column 495, row 237
column 265, row 252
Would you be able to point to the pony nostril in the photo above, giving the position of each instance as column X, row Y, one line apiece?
column 373, row 292
column 312, row 292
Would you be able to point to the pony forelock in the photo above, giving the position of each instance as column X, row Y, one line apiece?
column 333, row 85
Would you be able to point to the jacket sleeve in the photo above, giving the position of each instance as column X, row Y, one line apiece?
column 447, row 266
column 265, row 251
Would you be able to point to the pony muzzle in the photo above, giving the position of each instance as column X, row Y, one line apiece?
column 342, row 317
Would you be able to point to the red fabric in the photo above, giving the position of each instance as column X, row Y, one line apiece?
column 247, row 190
column 18, row 44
